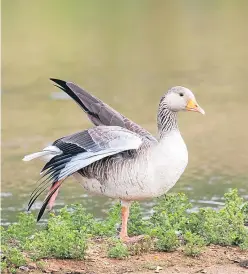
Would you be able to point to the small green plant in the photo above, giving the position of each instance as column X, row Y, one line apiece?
column 3, row 265
column 41, row 265
column 194, row 244
column 13, row 240
column 18, row 233
column 150, row 266
column 118, row 250
column 222, row 227
column 77, row 218
column 61, row 239
column 143, row 245
column 11, row 257
column 167, row 241
column 171, row 212
column 244, row 209
column 136, row 224
column 244, row 244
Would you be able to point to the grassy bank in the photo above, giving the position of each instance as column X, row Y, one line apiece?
column 73, row 233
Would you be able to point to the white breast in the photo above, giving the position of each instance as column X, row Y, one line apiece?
column 169, row 160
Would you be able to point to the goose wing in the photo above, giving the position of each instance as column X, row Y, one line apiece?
column 80, row 150
column 98, row 112
column 83, row 148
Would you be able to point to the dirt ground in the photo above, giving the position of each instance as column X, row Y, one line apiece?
column 213, row 260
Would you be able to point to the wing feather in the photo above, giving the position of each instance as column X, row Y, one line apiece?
column 98, row 112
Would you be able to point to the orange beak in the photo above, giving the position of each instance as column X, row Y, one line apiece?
column 193, row 106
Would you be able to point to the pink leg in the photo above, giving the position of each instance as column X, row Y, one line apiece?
column 124, row 217
column 53, row 198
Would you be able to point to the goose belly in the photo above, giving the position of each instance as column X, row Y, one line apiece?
column 149, row 176
column 125, row 183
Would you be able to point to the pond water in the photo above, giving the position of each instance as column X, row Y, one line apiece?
column 127, row 53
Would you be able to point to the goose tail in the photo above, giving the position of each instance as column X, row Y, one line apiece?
column 46, row 154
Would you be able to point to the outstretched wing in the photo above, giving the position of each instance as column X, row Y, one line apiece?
column 98, row 112
column 83, row 148
column 80, row 150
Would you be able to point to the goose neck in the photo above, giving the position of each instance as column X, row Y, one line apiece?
column 167, row 120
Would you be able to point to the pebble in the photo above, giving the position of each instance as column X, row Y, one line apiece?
column 158, row 268
column 24, row 268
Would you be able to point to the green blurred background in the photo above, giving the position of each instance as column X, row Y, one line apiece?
column 128, row 53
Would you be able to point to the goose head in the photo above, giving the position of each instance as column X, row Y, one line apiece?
column 180, row 98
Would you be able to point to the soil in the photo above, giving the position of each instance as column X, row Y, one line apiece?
column 213, row 260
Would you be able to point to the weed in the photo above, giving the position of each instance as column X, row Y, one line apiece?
column 136, row 224
column 150, row 266
column 118, row 250
column 76, row 217
column 171, row 212
column 223, row 227
column 11, row 257
column 144, row 245
column 244, row 244
column 194, row 244
column 17, row 233
column 13, row 240
column 60, row 240
column 41, row 265
column 244, row 209
column 3, row 265
column 167, row 241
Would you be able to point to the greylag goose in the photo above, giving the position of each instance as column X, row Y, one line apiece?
column 117, row 158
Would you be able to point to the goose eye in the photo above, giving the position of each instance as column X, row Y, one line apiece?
column 181, row 94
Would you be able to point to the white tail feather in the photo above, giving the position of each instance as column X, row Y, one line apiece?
column 35, row 155
column 47, row 154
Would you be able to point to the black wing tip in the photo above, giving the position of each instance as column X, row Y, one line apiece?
column 45, row 203
column 56, row 80
column 39, row 217
column 71, row 92
column 59, row 82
